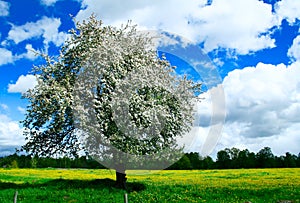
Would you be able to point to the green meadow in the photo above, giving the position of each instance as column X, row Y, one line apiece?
column 212, row 186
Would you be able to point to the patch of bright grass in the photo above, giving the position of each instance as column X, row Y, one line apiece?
column 213, row 186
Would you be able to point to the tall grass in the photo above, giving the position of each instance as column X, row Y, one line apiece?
column 212, row 186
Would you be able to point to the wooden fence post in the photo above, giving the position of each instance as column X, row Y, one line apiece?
column 16, row 197
column 125, row 198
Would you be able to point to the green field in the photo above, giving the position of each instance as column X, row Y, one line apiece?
column 59, row 185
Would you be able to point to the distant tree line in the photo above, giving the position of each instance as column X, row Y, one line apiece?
column 235, row 158
column 226, row 159
column 26, row 161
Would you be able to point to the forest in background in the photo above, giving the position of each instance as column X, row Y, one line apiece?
column 226, row 159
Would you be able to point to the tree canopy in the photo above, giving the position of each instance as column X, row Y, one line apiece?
column 109, row 94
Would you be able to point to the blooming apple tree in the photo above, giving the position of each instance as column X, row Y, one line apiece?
column 109, row 94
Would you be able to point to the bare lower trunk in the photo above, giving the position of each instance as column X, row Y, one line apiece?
column 121, row 179
column 120, row 171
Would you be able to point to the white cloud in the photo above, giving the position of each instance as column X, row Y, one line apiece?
column 236, row 25
column 231, row 24
column 280, row 144
column 288, row 9
column 4, row 107
column 45, row 27
column 6, row 56
column 294, row 51
column 30, row 54
column 21, row 110
column 4, row 8
column 23, row 84
column 262, row 108
column 259, row 98
column 11, row 134
column 48, row 2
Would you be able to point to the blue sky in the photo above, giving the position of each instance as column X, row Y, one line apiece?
column 254, row 44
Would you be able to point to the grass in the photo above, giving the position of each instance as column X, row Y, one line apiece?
column 212, row 186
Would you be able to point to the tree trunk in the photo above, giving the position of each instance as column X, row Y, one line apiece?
column 120, row 171
column 121, row 179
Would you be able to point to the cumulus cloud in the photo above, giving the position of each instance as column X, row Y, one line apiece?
column 288, row 9
column 280, row 143
column 260, row 97
column 262, row 108
column 6, row 56
column 10, row 135
column 294, row 52
column 232, row 24
column 22, row 84
column 209, row 120
column 48, row 2
column 4, row 8
column 29, row 54
column 236, row 25
column 47, row 28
